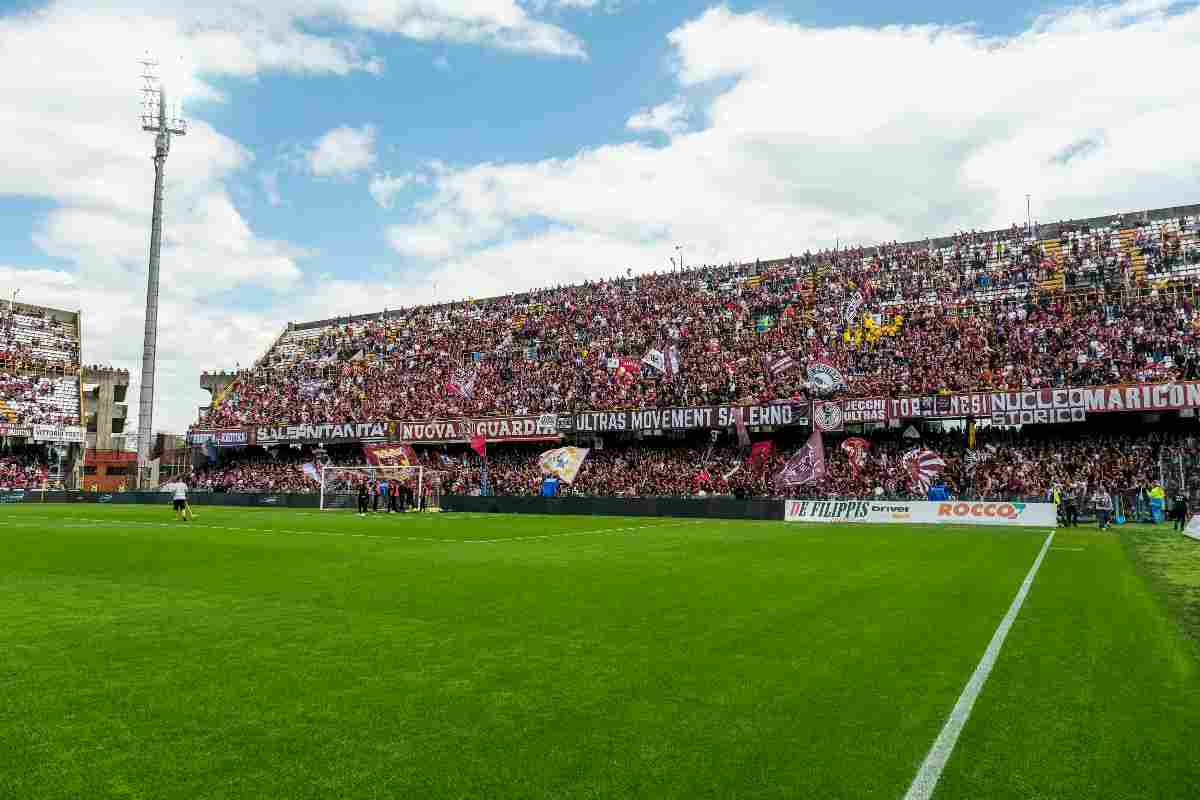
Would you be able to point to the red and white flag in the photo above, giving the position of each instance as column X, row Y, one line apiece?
column 922, row 466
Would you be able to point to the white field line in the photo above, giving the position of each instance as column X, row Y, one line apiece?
column 87, row 522
column 927, row 776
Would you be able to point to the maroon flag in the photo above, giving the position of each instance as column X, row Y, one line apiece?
column 479, row 445
column 807, row 466
column 856, row 449
column 760, row 452
column 740, row 423
column 781, row 365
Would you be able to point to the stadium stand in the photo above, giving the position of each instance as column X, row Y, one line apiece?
column 1093, row 304
column 1013, row 465
column 1096, row 302
column 23, row 469
column 39, row 366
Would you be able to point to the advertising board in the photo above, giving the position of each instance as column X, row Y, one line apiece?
column 921, row 512
column 1192, row 531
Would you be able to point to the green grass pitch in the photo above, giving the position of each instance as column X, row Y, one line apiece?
column 284, row 654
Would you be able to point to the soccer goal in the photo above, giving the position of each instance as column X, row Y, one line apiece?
column 339, row 486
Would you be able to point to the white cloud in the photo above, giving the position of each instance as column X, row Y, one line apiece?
column 917, row 131
column 342, row 151
column 669, row 118
column 385, row 187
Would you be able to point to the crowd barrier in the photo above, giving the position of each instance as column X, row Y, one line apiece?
column 700, row 507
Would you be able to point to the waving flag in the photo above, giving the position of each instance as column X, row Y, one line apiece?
column 922, row 466
column 807, row 466
column 825, row 377
column 655, row 358
column 856, row 449
column 312, row 471
column 462, row 383
column 851, row 307
column 739, row 422
column 672, row 361
column 563, row 462
column 760, row 452
column 973, row 458
column 780, row 365
column 479, row 445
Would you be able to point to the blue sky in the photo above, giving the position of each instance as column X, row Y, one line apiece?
column 347, row 155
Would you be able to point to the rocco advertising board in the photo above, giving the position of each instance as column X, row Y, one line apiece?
column 921, row 512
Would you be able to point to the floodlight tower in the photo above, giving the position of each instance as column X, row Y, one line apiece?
column 157, row 120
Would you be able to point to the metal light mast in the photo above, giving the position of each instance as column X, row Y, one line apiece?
column 156, row 120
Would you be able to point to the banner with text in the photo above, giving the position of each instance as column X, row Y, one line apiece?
column 782, row 414
column 921, row 512
column 58, row 433
column 322, row 433
column 389, row 455
column 237, row 437
column 535, row 428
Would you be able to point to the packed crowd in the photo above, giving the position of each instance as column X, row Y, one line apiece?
column 965, row 313
column 22, row 471
column 31, row 400
column 255, row 472
column 32, row 340
column 1004, row 464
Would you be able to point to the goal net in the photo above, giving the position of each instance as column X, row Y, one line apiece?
column 420, row 488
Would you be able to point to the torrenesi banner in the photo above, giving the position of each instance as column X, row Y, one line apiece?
column 57, row 433
column 922, row 512
column 1033, row 407
column 238, row 437
column 22, row 431
column 323, row 433
column 780, row 414
column 539, row 428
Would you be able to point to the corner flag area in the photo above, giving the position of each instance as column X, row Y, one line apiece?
column 276, row 653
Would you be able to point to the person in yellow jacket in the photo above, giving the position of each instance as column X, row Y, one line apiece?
column 1158, row 503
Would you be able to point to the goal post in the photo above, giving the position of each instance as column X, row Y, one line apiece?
column 339, row 485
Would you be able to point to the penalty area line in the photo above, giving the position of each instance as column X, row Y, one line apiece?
column 926, row 779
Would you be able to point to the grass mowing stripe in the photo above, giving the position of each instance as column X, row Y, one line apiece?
column 927, row 776
column 80, row 522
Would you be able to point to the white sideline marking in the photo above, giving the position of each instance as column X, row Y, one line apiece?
column 927, row 776
column 1068, row 549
